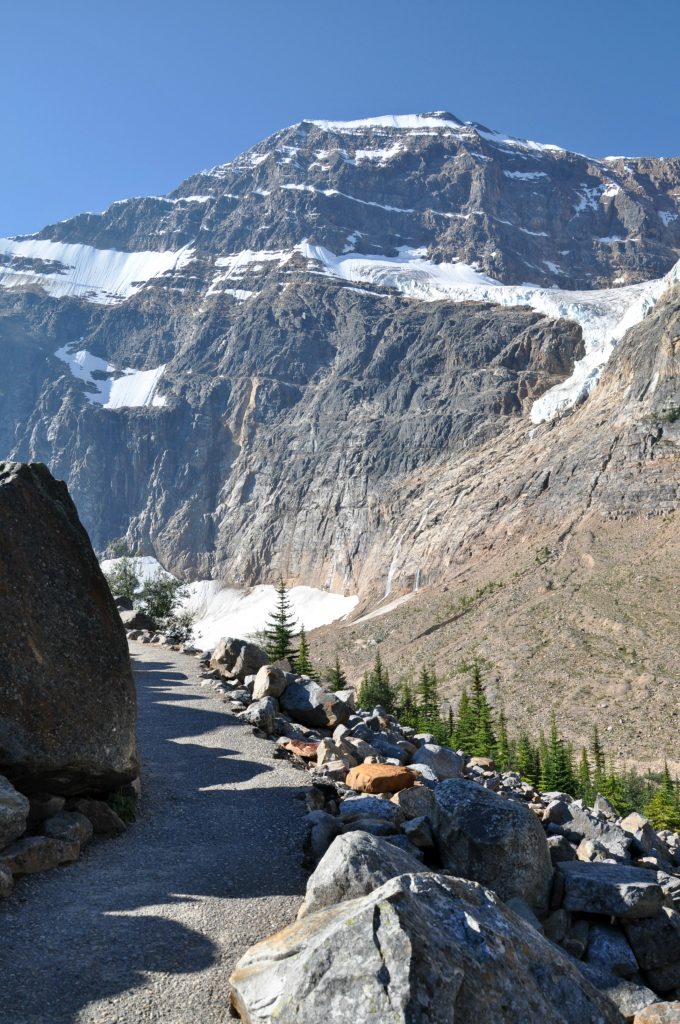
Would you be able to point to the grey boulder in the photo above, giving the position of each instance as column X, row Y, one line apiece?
column 69, row 826
column 270, row 681
column 14, row 809
column 311, row 705
column 261, row 714
column 614, row 889
column 104, row 819
column 236, row 659
column 421, row 949
column 497, row 842
column 444, row 762
column 354, row 865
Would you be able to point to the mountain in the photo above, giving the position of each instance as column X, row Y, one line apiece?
column 387, row 357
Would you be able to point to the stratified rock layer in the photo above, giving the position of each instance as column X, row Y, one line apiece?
column 67, row 699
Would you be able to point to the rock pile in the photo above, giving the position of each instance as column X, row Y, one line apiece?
column 418, row 837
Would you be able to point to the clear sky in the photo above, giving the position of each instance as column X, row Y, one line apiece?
column 103, row 100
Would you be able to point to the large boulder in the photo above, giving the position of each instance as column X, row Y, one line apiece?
column 354, row 865
column 236, row 659
column 616, row 890
column 311, row 705
column 656, row 944
column 579, row 823
column 497, row 842
column 67, row 717
column 137, row 618
column 421, row 949
column 14, row 810
column 380, row 778
column 444, row 762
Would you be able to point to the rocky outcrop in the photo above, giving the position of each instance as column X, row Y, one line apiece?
column 67, row 716
column 421, row 949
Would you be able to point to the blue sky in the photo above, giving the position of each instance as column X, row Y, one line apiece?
column 107, row 100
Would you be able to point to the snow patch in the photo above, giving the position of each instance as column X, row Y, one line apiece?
column 103, row 276
column 113, row 388
column 525, row 175
column 667, row 217
column 221, row 611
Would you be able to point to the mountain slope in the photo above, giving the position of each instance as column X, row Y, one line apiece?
column 248, row 375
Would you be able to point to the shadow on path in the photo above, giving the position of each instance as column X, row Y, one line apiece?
column 214, row 826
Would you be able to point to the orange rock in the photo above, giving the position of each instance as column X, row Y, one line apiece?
column 303, row 748
column 379, row 778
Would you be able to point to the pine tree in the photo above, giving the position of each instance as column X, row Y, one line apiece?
column 502, row 751
column 429, row 718
column 465, row 724
column 663, row 809
column 407, row 710
column 337, row 680
column 544, row 767
column 302, row 664
column 527, row 760
column 279, row 631
column 484, row 740
column 597, row 754
column 584, row 782
column 376, row 690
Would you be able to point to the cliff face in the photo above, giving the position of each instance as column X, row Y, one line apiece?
column 320, row 359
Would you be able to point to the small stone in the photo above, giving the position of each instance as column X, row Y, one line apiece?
column 419, row 832
column 369, row 807
column 556, row 925
column 43, row 805
column 609, row 951
column 6, row 881
column 38, row 853
column 575, row 941
column 306, row 749
column 14, row 809
column 69, row 826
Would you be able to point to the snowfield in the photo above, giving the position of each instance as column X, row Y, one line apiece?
column 119, row 389
column 227, row 611
column 104, row 276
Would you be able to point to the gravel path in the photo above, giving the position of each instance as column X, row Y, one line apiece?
column 147, row 927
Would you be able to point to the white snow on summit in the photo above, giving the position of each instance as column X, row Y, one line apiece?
column 103, row 276
column 113, row 388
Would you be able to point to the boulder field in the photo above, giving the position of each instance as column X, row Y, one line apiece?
column 443, row 889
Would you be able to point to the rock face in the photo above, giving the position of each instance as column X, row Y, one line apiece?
column 496, row 842
column 469, row 960
column 67, row 714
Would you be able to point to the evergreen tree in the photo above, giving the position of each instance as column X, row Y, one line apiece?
column 584, row 782
column 527, row 760
column 663, row 808
column 337, row 680
column 597, row 754
column 279, row 631
column 429, row 716
column 302, row 663
column 375, row 689
column 484, row 740
column 558, row 771
column 122, row 579
column 161, row 595
column 465, row 724
column 544, row 767
column 502, row 751
column 408, row 708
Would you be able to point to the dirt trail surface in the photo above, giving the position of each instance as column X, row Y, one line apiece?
column 147, row 927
